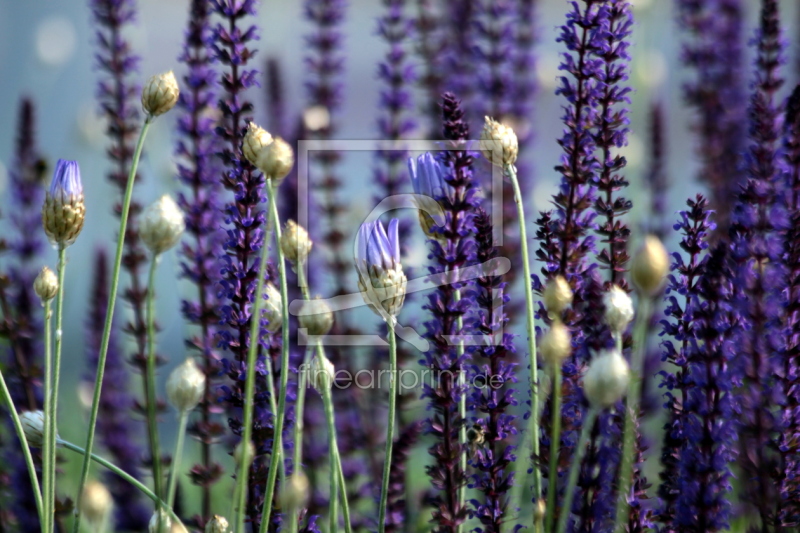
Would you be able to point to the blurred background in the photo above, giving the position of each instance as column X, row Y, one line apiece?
column 46, row 53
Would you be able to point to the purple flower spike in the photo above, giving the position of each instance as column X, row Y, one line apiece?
column 66, row 180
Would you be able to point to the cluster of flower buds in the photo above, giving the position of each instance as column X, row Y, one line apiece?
column 427, row 179
column 499, row 143
column 315, row 317
column 186, row 386
column 322, row 373
column 380, row 274
column 272, row 308
column 162, row 225
column 273, row 156
column 160, row 94
column 295, row 243
column 64, row 210
column 46, row 285
column 618, row 309
column 606, row 379
column 96, row 503
column 650, row 266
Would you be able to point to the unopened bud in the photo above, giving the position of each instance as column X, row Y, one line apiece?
column 294, row 495
column 273, row 310
column 500, row 146
column 556, row 344
column 160, row 522
column 186, row 386
column 276, row 160
column 255, row 140
column 96, row 502
column 650, row 266
column 557, row 296
column 64, row 210
column 619, row 309
column 244, row 453
column 295, row 243
column 162, row 225
column 46, row 285
column 33, row 427
column 316, row 317
column 322, row 373
column 218, row 524
column 160, row 94
column 540, row 510
column 606, row 380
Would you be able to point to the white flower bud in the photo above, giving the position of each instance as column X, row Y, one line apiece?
column 619, row 309
column 46, row 285
column 650, row 266
column 500, row 143
column 556, row 344
column 255, row 140
column 186, row 385
column 322, row 373
column 162, row 225
column 33, row 426
column 273, row 310
column 160, row 94
column 316, row 317
column 218, row 524
column 276, row 160
column 244, row 452
column 295, row 243
column 606, row 380
column 160, row 522
column 557, row 295
column 96, row 502
column 388, row 290
column 294, row 495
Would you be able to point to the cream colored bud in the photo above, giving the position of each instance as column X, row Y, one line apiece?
column 619, row 309
column 316, row 317
column 33, row 427
column 244, row 452
column 556, row 344
column 388, row 289
column 255, row 140
column 557, row 295
column 218, row 524
column 96, row 502
column 162, row 225
column 160, row 94
column 322, row 373
column 606, row 379
column 540, row 510
column 160, row 522
column 294, row 495
column 500, row 146
column 186, row 386
column 46, row 285
column 295, row 243
column 650, row 266
column 273, row 311
column 276, row 160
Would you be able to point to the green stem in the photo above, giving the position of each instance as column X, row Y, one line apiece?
column 152, row 420
column 298, row 429
column 277, row 446
column 531, row 330
column 26, row 451
column 127, row 477
column 112, row 298
column 575, row 468
column 462, row 410
column 333, row 452
column 176, row 461
column 47, row 525
column 555, row 445
column 387, row 465
column 52, row 415
column 632, row 411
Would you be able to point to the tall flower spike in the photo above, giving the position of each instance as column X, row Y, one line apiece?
column 64, row 209
column 380, row 274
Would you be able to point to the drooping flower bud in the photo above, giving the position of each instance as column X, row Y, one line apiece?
column 295, row 494
column 186, row 385
column 380, row 274
column 64, row 210
column 556, row 344
column 46, row 285
column 322, row 373
column 650, row 266
column 295, row 243
column 499, row 143
column 33, row 426
column 606, row 379
column 96, row 502
column 557, row 296
column 427, row 179
column 162, row 225
column 316, row 317
column 619, row 309
column 276, row 160
column 273, row 311
column 255, row 140
column 160, row 94
column 218, row 524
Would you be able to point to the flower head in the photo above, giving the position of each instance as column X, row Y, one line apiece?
column 427, row 178
column 380, row 275
column 64, row 210
column 160, row 94
column 218, row 524
column 557, row 295
column 255, row 140
column 162, row 225
column 606, row 379
column 316, row 317
column 650, row 266
column 499, row 143
column 295, row 243
column 273, row 308
column 556, row 344
column 186, row 385
column 46, row 285
column 619, row 309
column 33, row 426
column 322, row 373
column 96, row 502
column 276, row 160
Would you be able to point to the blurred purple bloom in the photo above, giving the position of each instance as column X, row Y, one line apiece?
column 66, row 181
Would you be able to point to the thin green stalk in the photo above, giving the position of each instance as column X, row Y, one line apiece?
column 176, row 461
column 112, row 298
column 387, row 465
column 631, row 411
column 462, row 411
column 333, row 452
column 531, row 330
column 298, row 429
column 52, row 408
column 555, row 440
column 47, row 525
column 26, row 451
column 575, row 467
column 277, row 446
column 150, row 377
column 127, row 477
